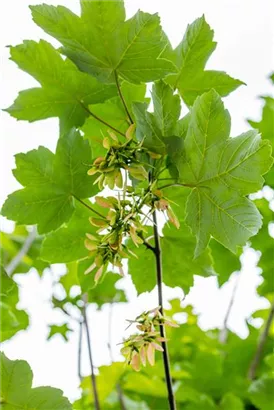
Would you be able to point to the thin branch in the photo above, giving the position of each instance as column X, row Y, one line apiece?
column 171, row 397
column 88, row 207
column 10, row 268
column 93, row 377
column 118, row 386
column 262, row 340
column 80, row 350
column 101, row 120
column 110, row 315
column 122, row 98
column 224, row 331
column 121, row 397
column 148, row 246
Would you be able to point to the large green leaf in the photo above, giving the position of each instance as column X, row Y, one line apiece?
column 52, row 182
column 179, row 267
column 16, row 391
column 102, row 44
column 190, row 57
column 65, row 92
column 162, row 128
column 221, row 171
column 12, row 319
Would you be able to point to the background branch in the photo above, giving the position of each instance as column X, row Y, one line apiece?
column 224, row 331
column 93, row 377
column 262, row 340
column 80, row 350
column 10, row 268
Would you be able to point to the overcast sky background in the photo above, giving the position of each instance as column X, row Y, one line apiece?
column 244, row 32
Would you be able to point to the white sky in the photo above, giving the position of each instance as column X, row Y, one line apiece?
column 244, row 32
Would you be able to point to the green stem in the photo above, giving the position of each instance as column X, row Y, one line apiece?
column 122, row 98
column 88, row 207
column 159, row 271
column 101, row 120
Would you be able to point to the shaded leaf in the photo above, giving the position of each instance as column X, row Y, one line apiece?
column 64, row 91
column 190, row 57
column 221, row 171
column 51, row 183
column 16, row 391
column 101, row 43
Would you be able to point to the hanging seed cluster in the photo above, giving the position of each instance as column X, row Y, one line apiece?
column 119, row 156
column 122, row 221
column 140, row 348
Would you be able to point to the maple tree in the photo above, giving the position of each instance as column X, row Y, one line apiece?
column 156, row 164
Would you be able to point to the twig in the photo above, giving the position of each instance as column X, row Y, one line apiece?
column 101, row 120
column 80, row 350
column 262, row 340
column 93, row 378
column 121, row 397
column 110, row 314
column 88, row 207
column 171, row 397
column 118, row 386
column 224, row 331
column 148, row 246
column 10, row 268
column 122, row 98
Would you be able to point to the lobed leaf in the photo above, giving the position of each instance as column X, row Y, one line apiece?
column 52, row 182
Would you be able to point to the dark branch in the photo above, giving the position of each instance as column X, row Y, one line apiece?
column 122, row 98
column 262, row 340
column 171, row 397
column 224, row 331
column 93, row 377
column 148, row 246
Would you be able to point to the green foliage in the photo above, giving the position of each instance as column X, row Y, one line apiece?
column 16, row 390
column 12, row 319
column 264, row 243
column 217, row 205
column 65, row 92
column 190, row 57
column 186, row 169
column 51, row 183
column 101, row 43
